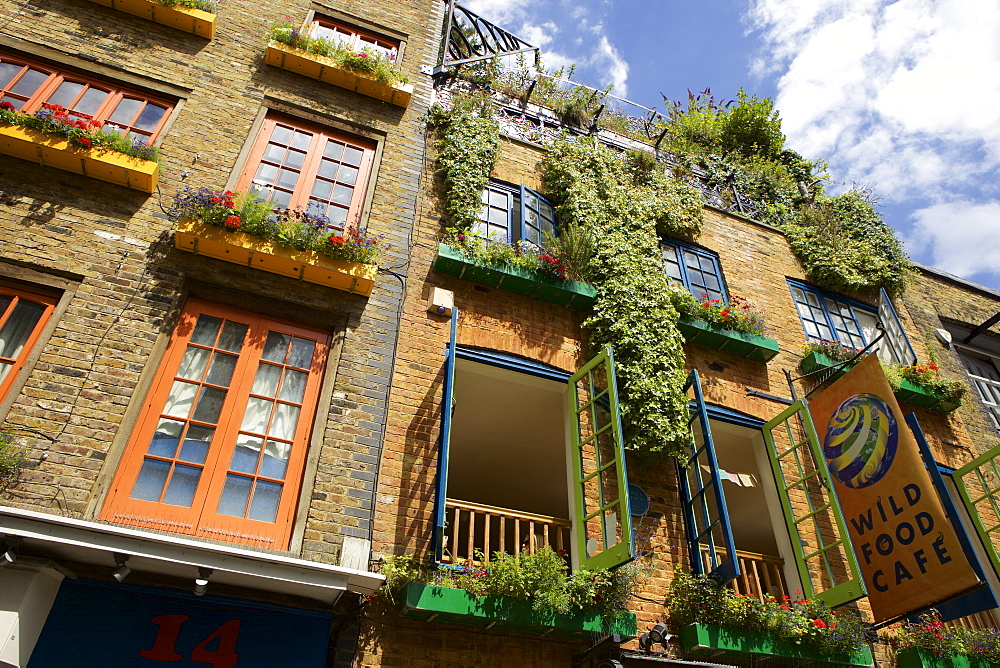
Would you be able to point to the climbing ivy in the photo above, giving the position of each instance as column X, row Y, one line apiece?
column 626, row 206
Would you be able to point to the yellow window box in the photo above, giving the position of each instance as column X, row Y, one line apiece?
column 195, row 21
column 54, row 151
column 250, row 251
column 326, row 70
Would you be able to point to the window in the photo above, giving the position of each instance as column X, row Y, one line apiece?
column 23, row 316
column 514, row 213
column 984, row 370
column 28, row 86
column 354, row 37
column 319, row 169
column 694, row 268
column 220, row 447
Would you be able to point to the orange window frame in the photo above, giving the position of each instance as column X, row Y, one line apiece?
column 48, row 304
column 355, row 37
column 311, row 170
column 202, row 517
column 54, row 78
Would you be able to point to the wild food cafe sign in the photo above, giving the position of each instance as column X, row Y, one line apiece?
column 907, row 549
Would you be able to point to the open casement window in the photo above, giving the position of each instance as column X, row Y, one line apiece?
column 447, row 409
column 220, row 447
column 894, row 347
column 513, row 213
column 710, row 538
column 978, row 483
column 23, row 316
column 820, row 543
column 353, row 37
column 28, row 85
column 603, row 521
column 323, row 171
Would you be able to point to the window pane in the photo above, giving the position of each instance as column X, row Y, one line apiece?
column 193, row 365
column 301, row 140
column 205, row 330
column 222, row 368
column 166, row 438
column 195, row 448
column 266, row 382
column 256, row 416
column 209, row 405
column 19, row 326
column 152, row 477
column 282, row 134
column 246, row 454
column 235, row 495
column 286, row 418
column 275, row 459
column 150, row 117
column 66, row 94
column 302, row 353
column 91, row 101
column 294, row 385
column 7, row 73
column 265, row 501
column 232, row 336
column 183, row 484
column 180, row 399
column 125, row 112
column 342, row 194
column 276, row 347
column 347, row 175
column 29, row 83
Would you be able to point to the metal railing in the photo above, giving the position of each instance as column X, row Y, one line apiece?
column 475, row 532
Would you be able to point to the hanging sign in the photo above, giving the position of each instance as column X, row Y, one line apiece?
column 906, row 547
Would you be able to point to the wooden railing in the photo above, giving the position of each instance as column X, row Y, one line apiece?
column 980, row 620
column 760, row 574
column 476, row 531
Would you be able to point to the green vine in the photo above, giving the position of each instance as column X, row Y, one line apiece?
column 627, row 207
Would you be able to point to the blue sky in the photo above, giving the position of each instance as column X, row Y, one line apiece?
column 902, row 96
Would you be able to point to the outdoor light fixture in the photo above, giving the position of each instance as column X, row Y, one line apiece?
column 201, row 582
column 123, row 570
column 659, row 634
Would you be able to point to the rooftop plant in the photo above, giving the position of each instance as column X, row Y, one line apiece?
column 80, row 129
column 252, row 214
column 372, row 62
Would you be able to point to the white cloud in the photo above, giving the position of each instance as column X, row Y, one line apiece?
column 614, row 69
column 948, row 231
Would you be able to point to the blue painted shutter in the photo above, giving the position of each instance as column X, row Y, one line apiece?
column 447, row 408
column 895, row 341
column 537, row 216
column 821, row 546
column 603, row 520
column 709, row 535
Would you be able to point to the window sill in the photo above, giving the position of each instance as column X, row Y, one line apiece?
column 909, row 392
column 241, row 248
column 918, row 657
column 577, row 295
column 195, row 21
column 52, row 151
column 457, row 606
column 751, row 346
column 722, row 642
column 322, row 68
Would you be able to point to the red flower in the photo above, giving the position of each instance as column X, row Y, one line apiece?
column 6, row 106
column 819, row 623
column 338, row 240
column 724, row 313
column 933, row 366
column 233, row 222
column 84, row 141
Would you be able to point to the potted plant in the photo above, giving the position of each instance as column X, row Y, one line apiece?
column 928, row 643
column 736, row 327
column 194, row 16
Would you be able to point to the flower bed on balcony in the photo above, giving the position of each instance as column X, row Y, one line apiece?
column 926, row 642
column 918, row 385
column 367, row 71
column 720, row 642
column 193, row 16
column 523, row 281
column 718, row 337
column 244, row 229
column 736, row 327
column 52, row 138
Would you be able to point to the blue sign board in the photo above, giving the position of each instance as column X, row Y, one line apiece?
column 106, row 625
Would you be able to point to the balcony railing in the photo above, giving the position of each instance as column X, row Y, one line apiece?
column 475, row 532
column 760, row 574
column 980, row 620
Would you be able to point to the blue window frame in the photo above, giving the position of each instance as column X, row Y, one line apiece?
column 513, row 213
column 695, row 268
column 830, row 317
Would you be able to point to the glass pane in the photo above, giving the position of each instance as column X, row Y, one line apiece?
column 66, row 94
column 334, row 150
column 294, row 386
column 337, row 216
column 281, row 198
column 18, row 328
column 321, row 189
column 246, row 454
column 265, row 501
column 181, row 399
column 281, row 134
column 7, row 73
column 287, row 178
column 347, row 175
column 221, row 371
column 286, row 417
column 232, row 336
column 125, row 112
column 149, row 484
column 294, row 159
column 150, row 117
column 209, row 405
column 235, row 495
column 266, row 382
column 91, row 101
column 343, row 194
column 266, row 173
column 29, row 83
column 165, row 438
column 5, row 368
column 196, row 443
column 205, row 330
column 183, row 483
column 275, row 347
column 274, row 153
column 193, row 364
column 301, row 140
column 256, row 416
column 275, row 459
column 302, row 353
column 352, row 156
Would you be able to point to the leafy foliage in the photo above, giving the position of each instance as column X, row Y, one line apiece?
column 928, row 632
column 368, row 60
column 748, row 126
column 495, row 253
column 739, row 315
column 12, row 458
column 626, row 208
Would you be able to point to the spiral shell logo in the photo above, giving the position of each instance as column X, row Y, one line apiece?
column 861, row 440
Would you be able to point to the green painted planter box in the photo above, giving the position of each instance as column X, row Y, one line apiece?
column 457, row 606
column 918, row 657
column 574, row 294
column 908, row 391
column 722, row 642
column 752, row 346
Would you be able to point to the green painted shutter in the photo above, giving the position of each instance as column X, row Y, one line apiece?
column 978, row 483
column 709, row 535
column 823, row 553
column 447, row 406
column 603, row 523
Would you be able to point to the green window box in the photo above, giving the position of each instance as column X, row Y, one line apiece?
column 457, row 606
column 908, row 391
column 752, row 346
column 577, row 295
column 918, row 657
column 725, row 643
